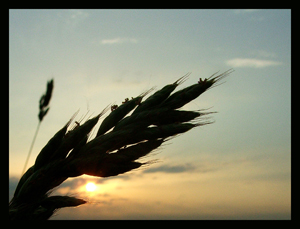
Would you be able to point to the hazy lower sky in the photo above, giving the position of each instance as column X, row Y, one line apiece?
column 237, row 168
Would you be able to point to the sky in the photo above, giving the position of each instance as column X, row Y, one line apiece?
column 239, row 167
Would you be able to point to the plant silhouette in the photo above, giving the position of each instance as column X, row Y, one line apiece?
column 120, row 141
column 44, row 108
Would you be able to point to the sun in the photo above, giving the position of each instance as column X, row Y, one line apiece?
column 90, row 187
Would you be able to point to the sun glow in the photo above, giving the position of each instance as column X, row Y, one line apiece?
column 90, row 187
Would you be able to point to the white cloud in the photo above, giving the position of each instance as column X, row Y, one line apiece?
column 251, row 62
column 118, row 40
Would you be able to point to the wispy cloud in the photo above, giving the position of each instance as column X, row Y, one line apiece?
column 118, row 40
column 251, row 62
column 79, row 14
column 251, row 14
column 172, row 169
column 74, row 17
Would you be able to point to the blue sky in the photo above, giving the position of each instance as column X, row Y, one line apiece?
column 238, row 167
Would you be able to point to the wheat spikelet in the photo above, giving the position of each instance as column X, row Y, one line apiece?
column 43, row 106
column 70, row 154
column 45, row 99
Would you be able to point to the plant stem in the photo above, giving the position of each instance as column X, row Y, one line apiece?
column 28, row 156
